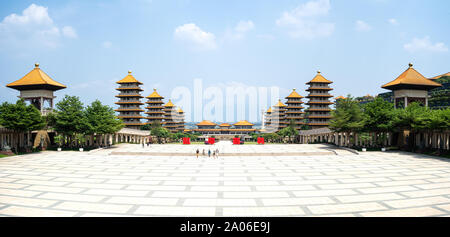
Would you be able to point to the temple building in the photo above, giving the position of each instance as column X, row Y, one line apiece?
column 409, row 87
column 278, row 117
column 319, row 112
column 155, row 112
column 180, row 119
column 267, row 121
column 130, row 102
column 37, row 88
column 294, row 110
column 225, row 130
column 170, row 117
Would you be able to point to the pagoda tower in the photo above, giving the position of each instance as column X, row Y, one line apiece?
column 319, row 112
column 409, row 87
column 170, row 117
column 180, row 119
column 130, row 101
column 278, row 117
column 267, row 120
column 154, row 108
column 294, row 110
column 37, row 88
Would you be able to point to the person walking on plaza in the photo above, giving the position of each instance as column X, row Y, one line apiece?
column 203, row 153
column 214, row 154
column 217, row 152
column 209, row 152
column 197, row 152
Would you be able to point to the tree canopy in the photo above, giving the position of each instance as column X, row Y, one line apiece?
column 69, row 117
column 21, row 117
column 102, row 119
column 348, row 116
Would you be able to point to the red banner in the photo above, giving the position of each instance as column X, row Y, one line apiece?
column 261, row 140
column 211, row 140
column 186, row 141
column 236, row 141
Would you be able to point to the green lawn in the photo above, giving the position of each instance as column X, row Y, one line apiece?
column 1, row 156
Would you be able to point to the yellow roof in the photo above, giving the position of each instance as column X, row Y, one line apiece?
column 206, row 123
column 269, row 110
column 319, row 79
column 411, row 78
column 443, row 75
column 129, row 79
column 280, row 104
column 180, row 110
column 340, row 98
column 155, row 95
column 243, row 123
column 169, row 104
column 36, row 78
column 225, row 125
column 294, row 95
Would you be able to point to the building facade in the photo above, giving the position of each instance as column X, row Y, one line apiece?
column 240, row 128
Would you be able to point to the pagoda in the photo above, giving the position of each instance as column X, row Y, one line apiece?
column 130, row 101
column 170, row 117
column 154, row 108
column 278, row 117
column 180, row 119
column 294, row 110
column 267, row 121
column 409, row 87
column 37, row 88
column 319, row 112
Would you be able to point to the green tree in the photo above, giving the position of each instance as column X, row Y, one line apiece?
column 21, row 118
column 289, row 131
column 348, row 116
column 70, row 118
column 378, row 115
column 102, row 119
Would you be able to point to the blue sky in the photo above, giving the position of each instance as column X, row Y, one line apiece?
column 88, row 45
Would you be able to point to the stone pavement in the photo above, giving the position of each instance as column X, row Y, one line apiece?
column 98, row 184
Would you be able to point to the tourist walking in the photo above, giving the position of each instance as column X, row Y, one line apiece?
column 203, row 153
column 214, row 154
column 209, row 153
column 197, row 152
column 217, row 152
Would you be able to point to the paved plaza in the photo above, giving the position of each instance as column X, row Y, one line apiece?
column 106, row 183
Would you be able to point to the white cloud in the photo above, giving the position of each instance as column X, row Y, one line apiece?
column 425, row 45
column 195, row 37
column 33, row 28
column 69, row 32
column 107, row 44
column 304, row 21
column 244, row 26
column 239, row 31
column 393, row 21
column 362, row 26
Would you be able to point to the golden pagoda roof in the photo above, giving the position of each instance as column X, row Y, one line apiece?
column 129, row 79
column 340, row 98
column 443, row 75
column 319, row 79
column 280, row 104
column 243, row 123
column 411, row 79
column 294, row 95
column 155, row 95
column 225, row 125
column 169, row 104
column 206, row 123
column 36, row 79
column 180, row 110
column 269, row 110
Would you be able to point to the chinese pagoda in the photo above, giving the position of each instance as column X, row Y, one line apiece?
column 409, row 87
column 154, row 108
column 278, row 117
column 170, row 117
column 294, row 110
column 37, row 88
column 319, row 112
column 130, row 101
column 180, row 119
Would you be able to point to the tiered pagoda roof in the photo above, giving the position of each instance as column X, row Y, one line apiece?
column 129, row 101
column 36, row 80
column 319, row 101
column 411, row 79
